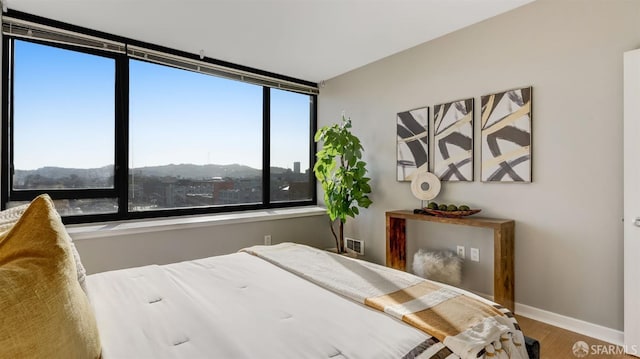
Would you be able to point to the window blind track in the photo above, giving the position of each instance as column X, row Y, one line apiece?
column 28, row 30
column 216, row 70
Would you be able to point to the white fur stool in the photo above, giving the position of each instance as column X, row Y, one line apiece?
column 441, row 266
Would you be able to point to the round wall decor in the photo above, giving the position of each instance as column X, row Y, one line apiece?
column 425, row 186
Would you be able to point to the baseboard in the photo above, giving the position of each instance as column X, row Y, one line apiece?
column 575, row 325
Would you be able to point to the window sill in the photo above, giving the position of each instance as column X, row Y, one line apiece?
column 89, row 231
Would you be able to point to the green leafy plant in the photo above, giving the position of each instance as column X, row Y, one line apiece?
column 342, row 173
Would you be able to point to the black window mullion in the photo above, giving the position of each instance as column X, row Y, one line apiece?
column 121, row 180
column 313, row 112
column 266, row 146
column 7, row 160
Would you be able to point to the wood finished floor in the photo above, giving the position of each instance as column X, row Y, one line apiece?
column 557, row 343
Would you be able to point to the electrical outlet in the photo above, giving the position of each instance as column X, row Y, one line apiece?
column 475, row 254
column 460, row 251
column 267, row 240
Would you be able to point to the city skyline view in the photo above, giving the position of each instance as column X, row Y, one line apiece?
column 175, row 116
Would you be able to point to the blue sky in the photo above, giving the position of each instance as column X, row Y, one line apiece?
column 64, row 115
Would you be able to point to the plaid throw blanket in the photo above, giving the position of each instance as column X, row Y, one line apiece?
column 459, row 323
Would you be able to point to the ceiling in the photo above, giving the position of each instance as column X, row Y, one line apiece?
column 312, row 40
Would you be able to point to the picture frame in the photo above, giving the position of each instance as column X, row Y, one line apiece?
column 453, row 140
column 412, row 143
column 506, row 136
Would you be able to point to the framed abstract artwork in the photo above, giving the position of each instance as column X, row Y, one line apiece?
column 453, row 140
column 506, row 136
column 412, row 143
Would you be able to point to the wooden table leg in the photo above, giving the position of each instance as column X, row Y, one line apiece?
column 503, row 282
column 396, row 243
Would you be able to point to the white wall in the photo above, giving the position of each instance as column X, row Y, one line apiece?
column 125, row 251
column 568, row 221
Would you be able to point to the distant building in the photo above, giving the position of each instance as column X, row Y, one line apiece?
column 299, row 191
column 220, row 189
column 296, row 167
column 238, row 190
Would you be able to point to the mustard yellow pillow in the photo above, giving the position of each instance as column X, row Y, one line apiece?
column 43, row 311
column 9, row 217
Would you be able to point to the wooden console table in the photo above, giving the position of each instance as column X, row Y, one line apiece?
column 503, row 234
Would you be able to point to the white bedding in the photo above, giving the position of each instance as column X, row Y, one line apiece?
column 236, row 306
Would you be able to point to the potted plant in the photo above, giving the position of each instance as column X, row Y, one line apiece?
column 342, row 173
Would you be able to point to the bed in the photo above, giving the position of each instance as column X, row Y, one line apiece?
column 282, row 301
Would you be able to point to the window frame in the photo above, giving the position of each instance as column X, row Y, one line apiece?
column 120, row 190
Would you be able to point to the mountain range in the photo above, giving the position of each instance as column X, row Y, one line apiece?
column 172, row 170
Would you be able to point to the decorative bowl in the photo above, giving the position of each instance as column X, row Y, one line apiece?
column 449, row 214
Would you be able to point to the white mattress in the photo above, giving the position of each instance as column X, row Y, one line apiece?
column 236, row 306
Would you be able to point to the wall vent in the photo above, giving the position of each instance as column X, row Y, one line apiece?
column 355, row 245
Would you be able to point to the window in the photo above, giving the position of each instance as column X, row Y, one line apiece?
column 63, row 125
column 111, row 134
column 291, row 175
column 53, row 131
column 195, row 139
